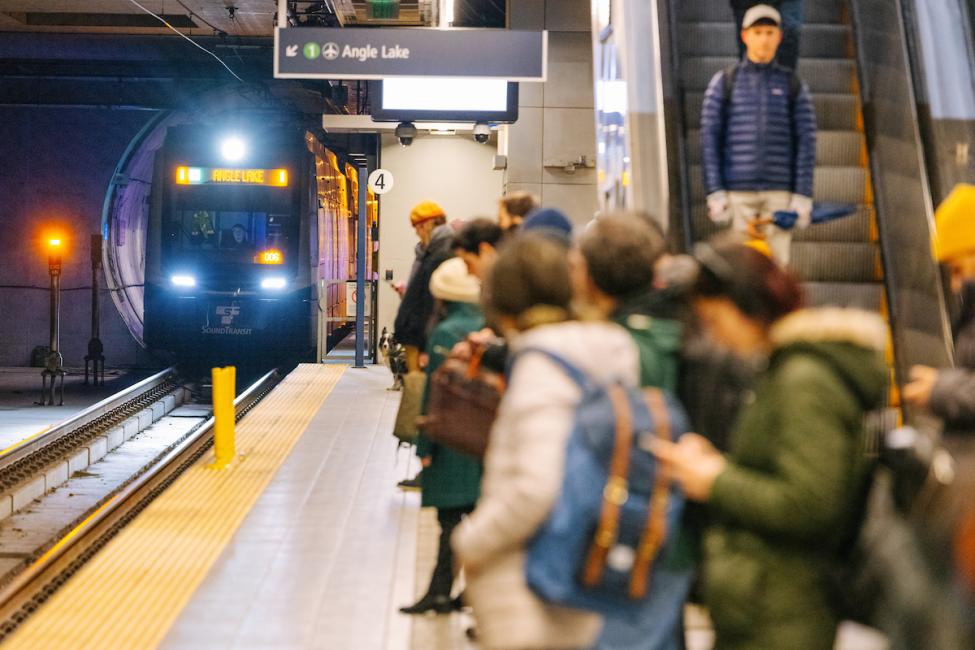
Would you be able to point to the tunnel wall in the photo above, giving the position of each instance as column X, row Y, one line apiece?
column 54, row 169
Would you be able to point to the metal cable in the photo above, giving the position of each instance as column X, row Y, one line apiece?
column 182, row 35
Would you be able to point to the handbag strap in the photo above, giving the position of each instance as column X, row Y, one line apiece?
column 616, row 491
column 656, row 527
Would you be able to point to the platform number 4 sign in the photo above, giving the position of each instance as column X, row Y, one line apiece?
column 380, row 181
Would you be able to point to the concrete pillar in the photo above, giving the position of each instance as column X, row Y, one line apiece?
column 555, row 127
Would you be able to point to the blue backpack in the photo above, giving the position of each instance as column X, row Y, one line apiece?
column 617, row 507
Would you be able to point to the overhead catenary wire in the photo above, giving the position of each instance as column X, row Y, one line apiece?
column 182, row 35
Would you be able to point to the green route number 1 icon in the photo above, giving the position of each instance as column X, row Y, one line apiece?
column 312, row 51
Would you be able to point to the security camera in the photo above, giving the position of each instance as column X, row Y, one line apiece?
column 405, row 131
column 482, row 132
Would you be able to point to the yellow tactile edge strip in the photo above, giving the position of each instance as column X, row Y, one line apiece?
column 132, row 592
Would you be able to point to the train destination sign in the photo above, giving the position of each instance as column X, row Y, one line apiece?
column 231, row 176
column 357, row 53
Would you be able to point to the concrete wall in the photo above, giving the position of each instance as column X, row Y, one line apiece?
column 55, row 166
column 555, row 123
column 455, row 172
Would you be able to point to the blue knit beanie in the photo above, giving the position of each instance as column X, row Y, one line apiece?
column 550, row 220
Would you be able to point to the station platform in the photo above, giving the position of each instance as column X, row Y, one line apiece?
column 20, row 388
column 304, row 542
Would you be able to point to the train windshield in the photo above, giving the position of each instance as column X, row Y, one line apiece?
column 234, row 225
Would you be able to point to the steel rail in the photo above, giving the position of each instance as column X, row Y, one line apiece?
column 28, row 591
column 21, row 450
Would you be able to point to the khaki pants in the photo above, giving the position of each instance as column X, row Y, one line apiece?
column 749, row 205
column 412, row 357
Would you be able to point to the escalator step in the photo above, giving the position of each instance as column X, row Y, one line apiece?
column 835, row 261
column 718, row 39
column 822, row 75
column 833, row 148
column 852, row 229
column 821, row 11
column 845, row 294
column 834, row 111
column 833, row 184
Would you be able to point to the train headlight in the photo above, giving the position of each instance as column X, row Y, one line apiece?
column 185, row 281
column 274, row 283
column 232, row 149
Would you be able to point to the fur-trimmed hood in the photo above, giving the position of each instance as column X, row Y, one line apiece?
column 851, row 341
column 834, row 324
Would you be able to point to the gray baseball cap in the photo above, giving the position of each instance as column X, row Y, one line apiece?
column 761, row 12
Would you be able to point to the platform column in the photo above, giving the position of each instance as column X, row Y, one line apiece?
column 360, row 266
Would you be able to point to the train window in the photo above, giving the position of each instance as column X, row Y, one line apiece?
column 232, row 234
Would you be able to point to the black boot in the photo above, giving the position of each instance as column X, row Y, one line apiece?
column 430, row 603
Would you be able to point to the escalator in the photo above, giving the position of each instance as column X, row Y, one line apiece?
column 867, row 154
column 839, row 261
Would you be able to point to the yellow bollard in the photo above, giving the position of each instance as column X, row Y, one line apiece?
column 224, row 390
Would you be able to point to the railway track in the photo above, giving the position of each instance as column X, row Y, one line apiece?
column 55, row 562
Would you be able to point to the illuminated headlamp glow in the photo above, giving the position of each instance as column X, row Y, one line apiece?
column 232, row 149
column 273, row 283
column 183, row 280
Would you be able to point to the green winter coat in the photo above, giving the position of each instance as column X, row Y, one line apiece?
column 658, row 340
column 793, row 488
column 453, row 479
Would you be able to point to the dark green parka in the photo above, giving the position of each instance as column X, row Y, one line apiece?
column 453, row 479
column 793, row 487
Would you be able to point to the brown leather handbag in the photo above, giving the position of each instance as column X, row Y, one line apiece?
column 462, row 405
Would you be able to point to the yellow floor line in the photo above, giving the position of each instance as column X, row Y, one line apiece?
column 132, row 592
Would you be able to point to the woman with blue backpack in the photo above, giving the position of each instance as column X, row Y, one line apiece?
column 528, row 293
column 791, row 492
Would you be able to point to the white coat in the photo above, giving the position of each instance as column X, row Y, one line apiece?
column 523, row 473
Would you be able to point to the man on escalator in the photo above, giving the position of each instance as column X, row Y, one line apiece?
column 758, row 135
column 791, row 12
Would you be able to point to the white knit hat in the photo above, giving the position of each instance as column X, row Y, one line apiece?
column 453, row 283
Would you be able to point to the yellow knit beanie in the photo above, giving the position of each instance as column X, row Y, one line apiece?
column 425, row 211
column 954, row 233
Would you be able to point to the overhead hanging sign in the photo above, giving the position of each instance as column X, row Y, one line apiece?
column 356, row 53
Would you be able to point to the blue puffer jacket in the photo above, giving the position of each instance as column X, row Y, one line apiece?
column 763, row 140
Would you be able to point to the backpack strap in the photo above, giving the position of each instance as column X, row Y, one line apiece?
column 615, row 492
column 656, row 527
column 728, row 79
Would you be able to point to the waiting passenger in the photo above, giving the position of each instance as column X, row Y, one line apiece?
column 529, row 291
column 513, row 208
column 790, row 491
column 551, row 222
column 758, row 134
column 450, row 480
column 791, row 11
column 477, row 244
column 410, row 328
column 950, row 392
column 613, row 276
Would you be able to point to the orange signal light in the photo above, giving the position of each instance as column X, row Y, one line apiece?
column 54, row 243
column 270, row 256
column 182, row 175
column 279, row 177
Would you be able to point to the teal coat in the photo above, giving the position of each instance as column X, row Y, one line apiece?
column 794, row 485
column 453, row 479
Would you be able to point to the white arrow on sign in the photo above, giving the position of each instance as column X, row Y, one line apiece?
column 291, row 50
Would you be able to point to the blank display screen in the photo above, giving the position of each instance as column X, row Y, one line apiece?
column 432, row 94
